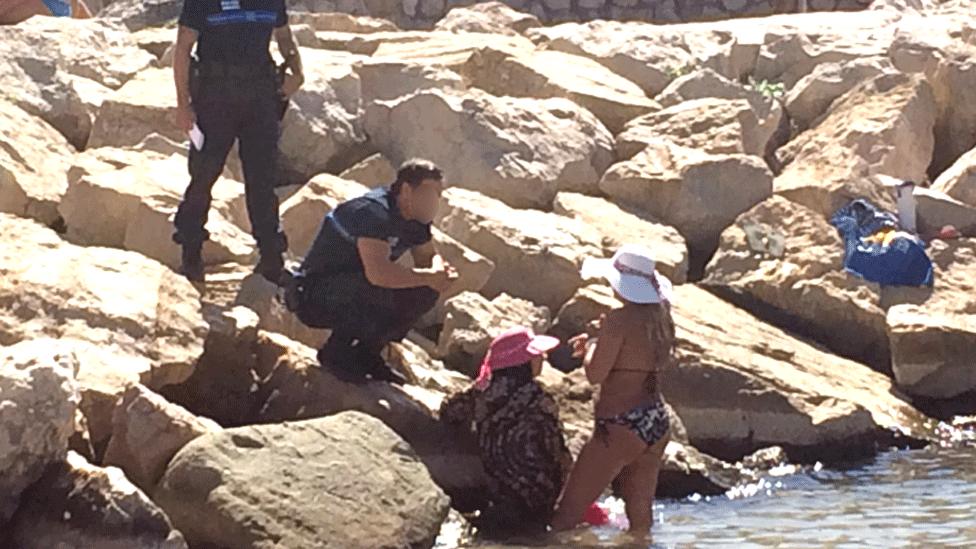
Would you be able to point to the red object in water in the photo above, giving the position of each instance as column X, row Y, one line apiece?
column 596, row 516
column 949, row 233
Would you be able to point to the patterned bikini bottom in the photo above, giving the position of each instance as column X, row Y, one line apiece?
column 650, row 422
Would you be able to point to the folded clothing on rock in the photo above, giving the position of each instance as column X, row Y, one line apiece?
column 877, row 250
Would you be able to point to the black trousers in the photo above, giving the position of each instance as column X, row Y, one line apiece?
column 354, row 309
column 231, row 106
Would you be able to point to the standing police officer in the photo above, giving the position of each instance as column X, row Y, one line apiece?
column 236, row 94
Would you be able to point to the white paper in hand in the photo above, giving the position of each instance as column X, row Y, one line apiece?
column 196, row 137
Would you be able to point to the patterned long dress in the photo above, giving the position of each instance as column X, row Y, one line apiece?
column 522, row 449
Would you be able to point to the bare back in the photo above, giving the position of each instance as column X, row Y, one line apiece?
column 634, row 377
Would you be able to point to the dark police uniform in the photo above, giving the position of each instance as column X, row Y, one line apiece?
column 333, row 291
column 234, row 93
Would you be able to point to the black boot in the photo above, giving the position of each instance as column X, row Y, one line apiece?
column 191, row 265
column 271, row 267
column 372, row 361
column 340, row 358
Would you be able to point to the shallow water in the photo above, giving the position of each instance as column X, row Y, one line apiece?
column 920, row 498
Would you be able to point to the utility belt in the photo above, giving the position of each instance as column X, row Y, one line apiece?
column 239, row 74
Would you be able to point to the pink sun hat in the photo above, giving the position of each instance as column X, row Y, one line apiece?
column 514, row 347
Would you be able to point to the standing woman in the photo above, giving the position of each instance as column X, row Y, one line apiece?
column 634, row 344
column 519, row 435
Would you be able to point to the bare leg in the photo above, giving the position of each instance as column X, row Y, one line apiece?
column 597, row 466
column 80, row 10
column 638, row 484
column 21, row 11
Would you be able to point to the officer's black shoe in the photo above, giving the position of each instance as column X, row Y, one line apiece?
column 387, row 374
column 379, row 370
column 344, row 370
column 271, row 267
column 191, row 265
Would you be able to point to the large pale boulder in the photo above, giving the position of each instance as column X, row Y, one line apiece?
column 813, row 94
column 741, row 384
column 537, row 255
column 155, row 40
column 341, row 22
column 137, row 193
column 487, row 17
column 939, row 47
column 38, row 402
column 147, row 431
column 139, row 14
column 933, row 332
column 785, row 392
column 134, row 320
column 546, row 73
column 248, row 376
column 372, row 171
column 699, row 194
column 651, row 55
column 794, row 45
column 388, row 78
column 44, row 85
column 959, row 181
column 323, row 126
column 33, row 159
column 471, row 322
column 348, row 480
column 786, row 261
column 618, row 227
column 833, row 162
column 222, row 386
column 41, row 86
column 935, row 210
column 712, row 125
column 76, row 504
column 706, row 82
column 522, row 151
column 146, row 104
column 91, row 48
column 448, row 49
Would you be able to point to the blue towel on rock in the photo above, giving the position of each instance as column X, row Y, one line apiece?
column 903, row 262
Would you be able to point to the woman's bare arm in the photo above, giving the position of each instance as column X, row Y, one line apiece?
column 601, row 356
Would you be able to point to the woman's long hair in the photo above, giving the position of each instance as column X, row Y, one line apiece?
column 661, row 333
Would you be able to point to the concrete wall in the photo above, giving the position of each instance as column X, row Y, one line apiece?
column 412, row 14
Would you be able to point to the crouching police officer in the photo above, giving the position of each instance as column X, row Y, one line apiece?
column 236, row 95
column 351, row 281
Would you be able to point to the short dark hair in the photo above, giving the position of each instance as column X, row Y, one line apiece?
column 415, row 171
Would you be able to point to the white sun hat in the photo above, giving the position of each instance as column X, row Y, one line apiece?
column 631, row 271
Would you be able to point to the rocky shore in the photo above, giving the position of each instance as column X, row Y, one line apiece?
column 140, row 411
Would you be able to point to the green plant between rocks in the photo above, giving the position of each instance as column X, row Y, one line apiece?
column 770, row 89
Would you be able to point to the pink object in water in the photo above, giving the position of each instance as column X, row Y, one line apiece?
column 596, row 516
column 949, row 233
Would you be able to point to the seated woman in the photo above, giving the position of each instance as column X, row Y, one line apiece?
column 634, row 343
column 15, row 11
column 519, row 434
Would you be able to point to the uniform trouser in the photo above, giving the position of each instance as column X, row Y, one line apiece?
column 354, row 309
column 229, row 109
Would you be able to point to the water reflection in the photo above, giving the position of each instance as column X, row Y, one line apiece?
column 920, row 498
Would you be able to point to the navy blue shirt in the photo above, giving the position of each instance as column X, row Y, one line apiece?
column 373, row 215
column 234, row 32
